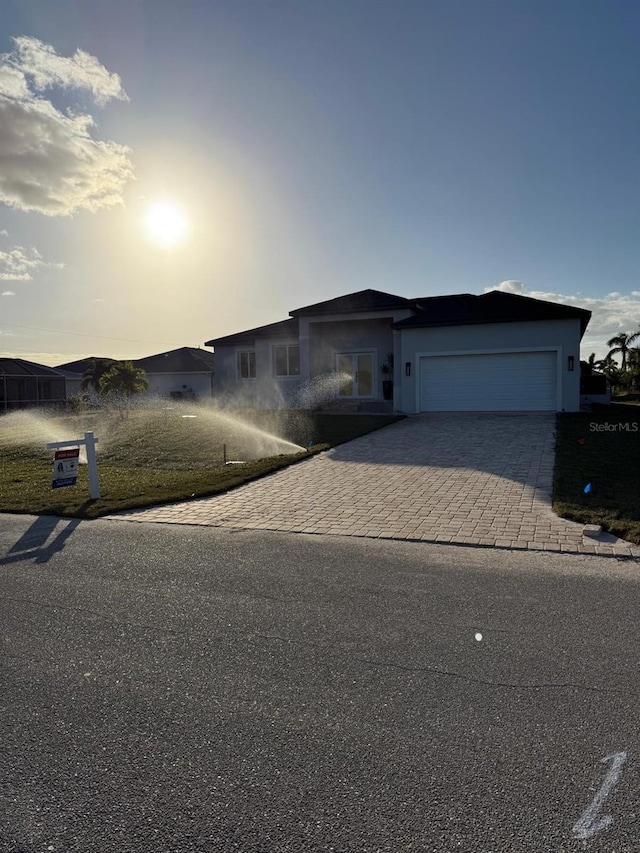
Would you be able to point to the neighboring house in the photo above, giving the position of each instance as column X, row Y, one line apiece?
column 493, row 352
column 186, row 372
column 25, row 383
column 72, row 381
column 181, row 373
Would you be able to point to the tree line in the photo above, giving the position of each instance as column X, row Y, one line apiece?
column 623, row 376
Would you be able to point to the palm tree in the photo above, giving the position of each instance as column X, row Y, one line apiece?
column 94, row 371
column 606, row 364
column 634, row 368
column 621, row 344
column 634, row 358
column 609, row 367
column 592, row 363
column 123, row 379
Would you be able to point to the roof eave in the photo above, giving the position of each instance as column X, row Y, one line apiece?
column 404, row 324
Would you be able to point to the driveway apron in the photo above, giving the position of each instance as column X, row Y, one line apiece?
column 469, row 479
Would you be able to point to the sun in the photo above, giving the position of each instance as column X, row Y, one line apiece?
column 166, row 224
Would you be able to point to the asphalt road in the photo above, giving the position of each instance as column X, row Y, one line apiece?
column 195, row 689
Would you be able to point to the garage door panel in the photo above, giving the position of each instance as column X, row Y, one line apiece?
column 489, row 382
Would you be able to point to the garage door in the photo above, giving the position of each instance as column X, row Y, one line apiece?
column 493, row 382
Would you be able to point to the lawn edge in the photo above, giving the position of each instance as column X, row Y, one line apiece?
column 627, row 529
column 283, row 462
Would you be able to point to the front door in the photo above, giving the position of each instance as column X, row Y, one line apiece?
column 355, row 370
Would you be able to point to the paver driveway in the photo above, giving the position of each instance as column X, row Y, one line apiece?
column 473, row 479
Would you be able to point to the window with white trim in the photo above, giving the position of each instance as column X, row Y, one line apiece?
column 287, row 360
column 247, row 365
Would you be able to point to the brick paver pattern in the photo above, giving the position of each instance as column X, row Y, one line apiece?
column 470, row 479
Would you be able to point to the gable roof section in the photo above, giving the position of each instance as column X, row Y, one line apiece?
column 282, row 329
column 82, row 364
column 363, row 300
column 68, row 374
column 492, row 307
column 20, row 367
column 182, row 360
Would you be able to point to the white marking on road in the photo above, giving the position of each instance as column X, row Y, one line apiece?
column 478, row 636
column 588, row 824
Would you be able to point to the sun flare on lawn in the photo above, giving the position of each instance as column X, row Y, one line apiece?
column 166, row 224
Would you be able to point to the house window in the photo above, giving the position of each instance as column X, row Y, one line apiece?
column 287, row 360
column 247, row 365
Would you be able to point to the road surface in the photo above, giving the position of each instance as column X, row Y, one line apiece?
column 194, row 689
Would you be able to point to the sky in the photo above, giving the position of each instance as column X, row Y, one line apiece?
column 172, row 172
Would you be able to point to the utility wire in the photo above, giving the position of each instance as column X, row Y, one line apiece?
column 85, row 335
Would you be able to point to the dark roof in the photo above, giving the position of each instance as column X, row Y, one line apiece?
column 363, row 300
column 493, row 307
column 182, row 360
column 282, row 329
column 81, row 364
column 460, row 309
column 20, row 367
column 68, row 374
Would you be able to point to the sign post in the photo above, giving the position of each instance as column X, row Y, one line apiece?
column 65, row 464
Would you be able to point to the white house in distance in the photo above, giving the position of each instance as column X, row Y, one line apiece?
column 493, row 352
column 184, row 373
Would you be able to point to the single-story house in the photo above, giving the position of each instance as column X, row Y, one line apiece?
column 493, row 352
column 25, row 383
column 180, row 373
column 186, row 372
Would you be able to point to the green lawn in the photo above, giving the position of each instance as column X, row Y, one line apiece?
column 161, row 455
column 153, row 457
column 601, row 448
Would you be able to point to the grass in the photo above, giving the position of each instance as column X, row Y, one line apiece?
column 160, row 456
column 601, row 448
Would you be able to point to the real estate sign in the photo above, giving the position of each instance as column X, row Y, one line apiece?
column 65, row 467
column 65, row 464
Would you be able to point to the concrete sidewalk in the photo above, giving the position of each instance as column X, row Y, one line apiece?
column 469, row 479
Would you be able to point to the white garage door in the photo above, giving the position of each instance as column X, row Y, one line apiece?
column 493, row 382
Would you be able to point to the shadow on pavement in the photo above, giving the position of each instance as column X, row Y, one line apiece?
column 33, row 542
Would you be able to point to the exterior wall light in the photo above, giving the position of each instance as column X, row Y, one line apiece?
column 571, row 361
column 407, row 369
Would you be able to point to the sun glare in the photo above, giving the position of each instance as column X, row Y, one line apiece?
column 166, row 224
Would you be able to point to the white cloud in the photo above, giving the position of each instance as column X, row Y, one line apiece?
column 19, row 264
column 610, row 314
column 39, row 61
column 8, row 293
column 13, row 83
column 510, row 286
column 49, row 160
column 4, row 233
